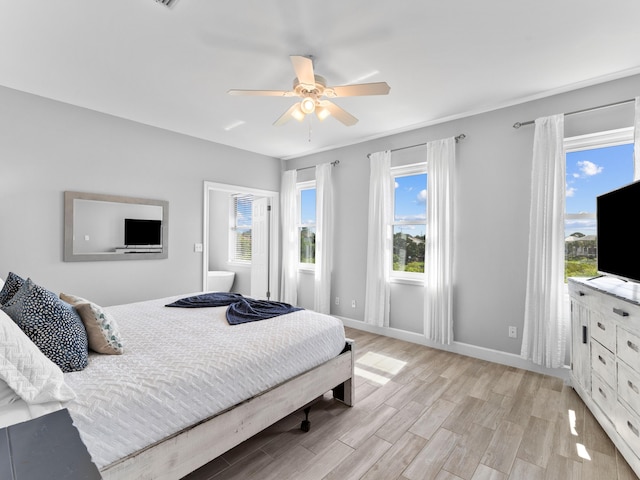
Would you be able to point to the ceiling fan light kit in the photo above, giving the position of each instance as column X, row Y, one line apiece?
column 311, row 88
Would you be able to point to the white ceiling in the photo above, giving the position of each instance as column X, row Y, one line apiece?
column 171, row 67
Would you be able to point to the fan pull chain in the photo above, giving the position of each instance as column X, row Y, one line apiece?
column 310, row 129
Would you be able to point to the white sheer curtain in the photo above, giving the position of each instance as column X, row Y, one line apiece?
column 636, row 142
column 376, row 304
column 289, row 208
column 438, row 295
column 543, row 340
column 324, row 238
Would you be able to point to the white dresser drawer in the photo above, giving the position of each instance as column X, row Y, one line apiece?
column 604, row 396
column 603, row 362
column 629, row 387
column 627, row 314
column 628, row 426
column 603, row 329
column 580, row 293
column 628, row 348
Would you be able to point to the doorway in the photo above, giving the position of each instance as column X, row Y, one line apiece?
column 259, row 278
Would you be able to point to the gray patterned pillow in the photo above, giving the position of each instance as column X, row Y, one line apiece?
column 53, row 325
column 10, row 287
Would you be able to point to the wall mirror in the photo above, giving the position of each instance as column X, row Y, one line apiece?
column 111, row 227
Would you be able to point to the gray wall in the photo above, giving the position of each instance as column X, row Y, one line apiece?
column 47, row 147
column 492, row 213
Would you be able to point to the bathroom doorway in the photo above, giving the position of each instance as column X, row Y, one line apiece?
column 241, row 235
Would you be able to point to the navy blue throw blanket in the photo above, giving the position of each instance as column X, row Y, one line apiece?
column 241, row 309
column 213, row 299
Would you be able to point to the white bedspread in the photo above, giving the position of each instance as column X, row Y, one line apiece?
column 183, row 365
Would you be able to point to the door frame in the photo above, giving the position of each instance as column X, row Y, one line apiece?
column 274, row 230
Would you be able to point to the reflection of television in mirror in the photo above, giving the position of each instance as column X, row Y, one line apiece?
column 614, row 213
column 139, row 232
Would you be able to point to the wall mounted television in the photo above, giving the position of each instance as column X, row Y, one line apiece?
column 138, row 232
column 615, row 215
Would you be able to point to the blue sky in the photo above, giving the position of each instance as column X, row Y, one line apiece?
column 410, row 202
column 308, row 206
column 591, row 173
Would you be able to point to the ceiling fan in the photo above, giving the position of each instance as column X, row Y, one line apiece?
column 311, row 88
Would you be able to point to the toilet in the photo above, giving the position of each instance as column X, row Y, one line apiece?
column 220, row 280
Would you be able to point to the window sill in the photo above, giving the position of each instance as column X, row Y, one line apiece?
column 407, row 281
column 240, row 264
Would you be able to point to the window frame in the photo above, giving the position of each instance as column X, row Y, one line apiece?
column 300, row 186
column 233, row 230
column 593, row 141
column 412, row 278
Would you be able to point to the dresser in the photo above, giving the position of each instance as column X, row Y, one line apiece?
column 605, row 357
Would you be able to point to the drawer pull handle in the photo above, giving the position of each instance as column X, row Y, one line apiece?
column 602, row 392
column 632, row 386
column 632, row 345
column 620, row 312
column 585, row 335
column 601, row 326
column 602, row 360
column 633, row 429
column 580, row 293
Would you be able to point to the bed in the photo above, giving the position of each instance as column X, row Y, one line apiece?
column 189, row 386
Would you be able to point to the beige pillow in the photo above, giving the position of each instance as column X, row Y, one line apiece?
column 102, row 330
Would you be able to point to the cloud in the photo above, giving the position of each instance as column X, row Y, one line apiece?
column 589, row 169
column 570, row 191
column 422, row 196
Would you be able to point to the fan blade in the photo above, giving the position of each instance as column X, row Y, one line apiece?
column 293, row 112
column 340, row 114
column 263, row 93
column 303, row 67
column 377, row 88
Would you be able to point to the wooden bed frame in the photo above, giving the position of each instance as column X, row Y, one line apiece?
column 178, row 455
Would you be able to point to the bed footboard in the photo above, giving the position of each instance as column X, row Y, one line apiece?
column 176, row 456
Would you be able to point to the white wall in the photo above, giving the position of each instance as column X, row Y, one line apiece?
column 47, row 147
column 492, row 213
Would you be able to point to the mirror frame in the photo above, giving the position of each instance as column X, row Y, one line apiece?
column 70, row 256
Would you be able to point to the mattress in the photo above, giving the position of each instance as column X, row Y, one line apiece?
column 184, row 365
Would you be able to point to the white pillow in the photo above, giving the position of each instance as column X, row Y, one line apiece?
column 26, row 369
column 1, row 283
column 7, row 395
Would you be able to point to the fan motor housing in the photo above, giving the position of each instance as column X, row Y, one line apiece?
column 303, row 90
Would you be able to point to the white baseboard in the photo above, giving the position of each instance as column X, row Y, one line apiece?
column 488, row 354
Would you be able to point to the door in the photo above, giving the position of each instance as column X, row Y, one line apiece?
column 260, row 249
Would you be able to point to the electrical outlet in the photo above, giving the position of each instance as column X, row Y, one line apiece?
column 197, row 247
column 513, row 332
column 353, row 304
column 337, row 300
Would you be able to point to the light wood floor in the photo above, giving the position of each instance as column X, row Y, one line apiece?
column 422, row 413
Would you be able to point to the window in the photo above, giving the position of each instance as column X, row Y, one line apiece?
column 596, row 164
column 307, row 223
column 409, row 219
column 240, row 228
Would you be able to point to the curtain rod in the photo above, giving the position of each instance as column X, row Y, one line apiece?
column 334, row 163
column 615, row 104
column 462, row 136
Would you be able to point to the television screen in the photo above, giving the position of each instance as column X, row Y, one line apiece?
column 142, row 232
column 615, row 214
